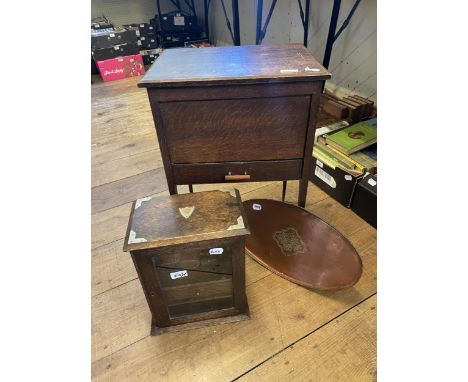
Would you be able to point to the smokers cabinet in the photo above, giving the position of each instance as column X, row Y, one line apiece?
column 188, row 251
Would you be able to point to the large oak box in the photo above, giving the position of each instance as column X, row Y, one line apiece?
column 235, row 114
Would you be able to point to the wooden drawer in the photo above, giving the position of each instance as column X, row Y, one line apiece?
column 249, row 171
column 229, row 130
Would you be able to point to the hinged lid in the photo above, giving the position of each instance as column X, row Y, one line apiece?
column 177, row 219
column 233, row 64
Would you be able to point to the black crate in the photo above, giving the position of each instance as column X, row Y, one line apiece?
column 150, row 59
column 334, row 181
column 94, row 68
column 175, row 21
column 148, row 42
column 150, row 56
column 365, row 199
column 147, row 29
column 115, row 51
column 143, row 29
column 177, row 39
column 102, row 25
column 108, row 39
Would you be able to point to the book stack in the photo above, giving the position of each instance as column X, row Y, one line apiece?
column 342, row 155
column 351, row 148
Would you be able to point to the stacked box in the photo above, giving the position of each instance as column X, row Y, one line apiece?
column 364, row 202
column 148, row 42
column 170, row 40
column 121, row 67
column 107, row 38
column 175, row 22
column 150, row 56
column 337, row 183
column 176, row 28
column 116, row 52
column 338, row 173
column 101, row 23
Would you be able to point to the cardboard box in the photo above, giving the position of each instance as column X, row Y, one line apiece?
column 335, row 182
column 115, row 51
column 111, row 38
column 365, row 199
column 121, row 67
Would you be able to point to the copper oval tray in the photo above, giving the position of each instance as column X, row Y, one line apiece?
column 299, row 246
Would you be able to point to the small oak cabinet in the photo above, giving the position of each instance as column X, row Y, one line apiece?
column 188, row 250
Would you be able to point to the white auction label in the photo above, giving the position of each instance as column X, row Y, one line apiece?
column 179, row 20
column 326, row 177
column 320, row 164
column 372, row 182
column 256, row 206
column 112, row 35
column 216, row 251
column 178, row 274
column 348, row 177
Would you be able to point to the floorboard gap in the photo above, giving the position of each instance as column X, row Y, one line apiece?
column 305, row 336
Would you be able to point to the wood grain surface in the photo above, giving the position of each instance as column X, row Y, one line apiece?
column 236, row 130
column 228, row 64
column 159, row 221
column 287, row 320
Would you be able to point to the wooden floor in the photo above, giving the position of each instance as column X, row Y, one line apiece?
column 295, row 334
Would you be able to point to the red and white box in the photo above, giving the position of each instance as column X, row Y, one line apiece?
column 121, row 67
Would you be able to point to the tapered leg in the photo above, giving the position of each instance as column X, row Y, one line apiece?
column 172, row 188
column 190, row 187
column 285, row 184
column 303, row 183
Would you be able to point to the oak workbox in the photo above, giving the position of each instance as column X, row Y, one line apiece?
column 235, row 114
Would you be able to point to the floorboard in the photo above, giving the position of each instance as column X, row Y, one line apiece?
column 317, row 356
column 119, row 168
column 288, row 321
column 126, row 190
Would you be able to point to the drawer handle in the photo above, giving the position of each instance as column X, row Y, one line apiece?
column 237, row 177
